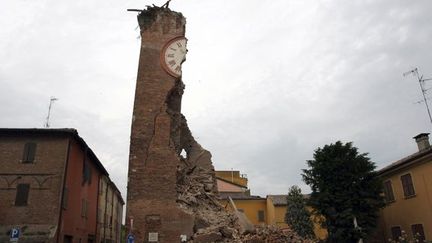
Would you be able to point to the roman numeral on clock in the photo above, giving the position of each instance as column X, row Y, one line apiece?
column 172, row 63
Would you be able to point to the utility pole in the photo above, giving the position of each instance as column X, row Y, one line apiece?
column 52, row 99
column 421, row 81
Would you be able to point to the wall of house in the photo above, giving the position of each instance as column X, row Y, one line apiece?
column 276, row 216
column 270, row 211
column 405, row 212
column 251, row 207
column 233, row 176
column 117, row 216
column 320, row 232
column 78, row 220
column 228, row 187
column 279, row 216
column 44, row 175
column 110, row 212
column 102, row 205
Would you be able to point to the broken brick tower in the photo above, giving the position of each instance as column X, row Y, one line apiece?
column 160, row 133
column 172, row 198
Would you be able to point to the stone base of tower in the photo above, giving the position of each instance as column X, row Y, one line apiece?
column 160, row 221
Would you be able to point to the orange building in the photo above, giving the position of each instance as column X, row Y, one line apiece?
column 408, row 193
column 260, row 211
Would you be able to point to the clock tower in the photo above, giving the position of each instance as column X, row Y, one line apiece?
column 152, row 212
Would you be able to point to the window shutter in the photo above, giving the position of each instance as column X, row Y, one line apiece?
column 29, row 152
column 65, row 198
column 418, row 229
column 84, row 208
column 22, row 194
column 388, row 191
column 407, row 185
column 396, row 232
column 260, row 216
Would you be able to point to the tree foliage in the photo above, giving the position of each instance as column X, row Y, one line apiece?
column 297, row 215
column 344, row 185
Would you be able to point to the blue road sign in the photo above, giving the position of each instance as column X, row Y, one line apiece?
column 14, row 235
column 130, row 238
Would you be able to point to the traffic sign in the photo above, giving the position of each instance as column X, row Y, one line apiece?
column 130, row 238
column 14, row 234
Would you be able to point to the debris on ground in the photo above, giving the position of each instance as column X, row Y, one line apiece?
column 197, row 195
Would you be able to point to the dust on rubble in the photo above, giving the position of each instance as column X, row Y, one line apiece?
column 196, row 194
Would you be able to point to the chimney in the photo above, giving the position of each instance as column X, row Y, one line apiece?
column 422, row 141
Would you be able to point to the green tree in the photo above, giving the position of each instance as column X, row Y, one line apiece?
column 344, row 186
column 297, row 215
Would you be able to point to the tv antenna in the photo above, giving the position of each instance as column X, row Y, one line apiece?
column 52, row 99
column 421, row 81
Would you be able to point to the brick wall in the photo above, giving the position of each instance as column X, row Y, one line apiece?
column 153, row 160
column 45, row 176
column 75, row 222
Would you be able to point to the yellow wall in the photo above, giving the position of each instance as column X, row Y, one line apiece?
column 319, row 231
column 273, row 215
column 405, row 212
column 251, row 208
column 279, row 216
column 270, row 212
column 233, row 176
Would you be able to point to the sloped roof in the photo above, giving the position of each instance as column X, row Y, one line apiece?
column 239, row 196
column 405, row 162
column 278, row 200
column 56, row 131
column 281, row 200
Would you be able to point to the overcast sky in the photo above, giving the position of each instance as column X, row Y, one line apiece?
column 267, row 82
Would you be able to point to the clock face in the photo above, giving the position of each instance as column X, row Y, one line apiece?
column 173, row 55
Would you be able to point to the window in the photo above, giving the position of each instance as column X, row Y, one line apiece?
column 29, row 153
column 261, row 216
column 22, row 194
column 407, row 185
column 417, row 229
column 91, row 238
column 65, row 198
column 388, row 192
column 101, row 187
column 84, row 208
column 86, row 178
column 67, row 239
column 100, row 216
column 396, row 232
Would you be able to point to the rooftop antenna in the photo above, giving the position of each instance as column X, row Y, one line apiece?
column 52, row 99
column 421, row 81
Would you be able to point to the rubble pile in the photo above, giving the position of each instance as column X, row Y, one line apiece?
column 272, row 234
column 197, row 192
column 197, row 195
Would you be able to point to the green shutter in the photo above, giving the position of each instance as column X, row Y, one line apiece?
column 29, row 152
column 22, row 194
